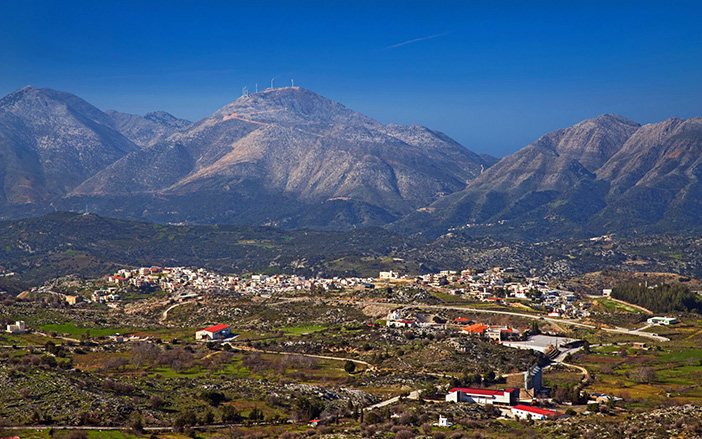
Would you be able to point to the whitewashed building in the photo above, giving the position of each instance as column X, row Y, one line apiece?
column 483, row 396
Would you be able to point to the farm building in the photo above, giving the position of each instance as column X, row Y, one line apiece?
column 662, row 321
column 483, row 396
column 216, row 332
column 528, row 412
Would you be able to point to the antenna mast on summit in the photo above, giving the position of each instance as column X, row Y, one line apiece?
column 272, row 82
column 257, row 87
column 292, row 83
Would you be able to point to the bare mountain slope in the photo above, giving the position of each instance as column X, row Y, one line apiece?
column 50, row 142
column 602, row 175
column 655, row 178
column 148, row 129
column 552, row 176
column 301, row 146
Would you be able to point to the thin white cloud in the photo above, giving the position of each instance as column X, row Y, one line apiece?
column 404, row 43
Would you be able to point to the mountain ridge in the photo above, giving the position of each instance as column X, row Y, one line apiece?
column 602, row 175
column 310, row 149
column 292, row 158
column 51, row 141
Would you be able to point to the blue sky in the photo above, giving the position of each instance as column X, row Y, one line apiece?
column 493, row 75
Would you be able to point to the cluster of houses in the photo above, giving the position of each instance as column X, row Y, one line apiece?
column 491, row 286
column 172, row 279
column 505, row 398
column 399, row 319
column 495, row 333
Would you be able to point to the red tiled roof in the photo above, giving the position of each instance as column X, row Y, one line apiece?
column 535, row 410
column 215, row 328
column 478, row 327
column 406, row 322
column 461, row 319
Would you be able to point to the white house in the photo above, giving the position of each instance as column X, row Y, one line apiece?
column 662, row 321
column 528, row 412
column 443, row 422
column 388, row 275
column 213, row 333
column 400, row 323
column 483, row 396
column 18, row 328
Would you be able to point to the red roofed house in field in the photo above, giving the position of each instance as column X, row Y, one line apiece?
column 213, row 332
column 483, row 396
column 478, row 328
column 529, row 412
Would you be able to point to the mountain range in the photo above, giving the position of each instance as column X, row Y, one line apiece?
column 289, row 157
column 602, row 175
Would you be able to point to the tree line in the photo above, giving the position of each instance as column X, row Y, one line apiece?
column 660, row 298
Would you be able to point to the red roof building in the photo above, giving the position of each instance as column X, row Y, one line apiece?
column 216, row 332
column 478, row 328
column 483, row 396
column 528, row 412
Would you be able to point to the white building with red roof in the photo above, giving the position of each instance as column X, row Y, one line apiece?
column 483, row 396
column 522, row 411
column 216, row 332
column 402, row 323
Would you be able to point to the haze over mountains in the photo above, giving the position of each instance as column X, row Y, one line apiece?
column 292, row 158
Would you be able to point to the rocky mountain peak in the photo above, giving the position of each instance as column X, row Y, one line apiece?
column 34, row 102
column 612, row 118
column 591, row 142
column 294, row 105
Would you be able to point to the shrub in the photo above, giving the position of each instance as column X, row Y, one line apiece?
column 349, row 366
column 644, row 375
column 404, row 434
column 155, row 401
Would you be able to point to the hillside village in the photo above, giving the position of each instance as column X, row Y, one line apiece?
column 187, row 283
column 479, row 345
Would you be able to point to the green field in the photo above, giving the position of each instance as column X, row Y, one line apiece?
column 613, row 306
column 74, row 331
